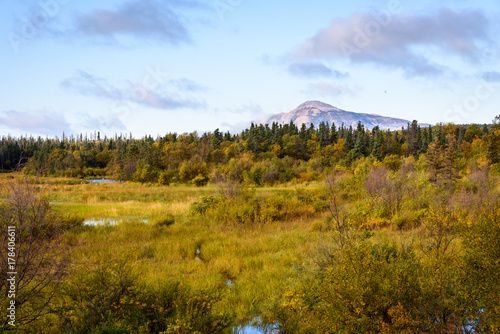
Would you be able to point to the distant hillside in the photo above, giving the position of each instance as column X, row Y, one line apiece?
column 316, row 112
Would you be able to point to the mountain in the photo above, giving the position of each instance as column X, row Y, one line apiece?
column 316, row 112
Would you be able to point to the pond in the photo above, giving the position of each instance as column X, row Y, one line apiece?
column 101, row 221
column 109, row 221
column 252, row 327
column 250, row 330
column 98, row 181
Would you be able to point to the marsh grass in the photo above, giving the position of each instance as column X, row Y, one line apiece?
column 257, row 258
column 260, row 258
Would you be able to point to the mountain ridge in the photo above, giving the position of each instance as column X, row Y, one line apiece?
column 316, row 112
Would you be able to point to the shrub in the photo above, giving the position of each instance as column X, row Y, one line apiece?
column 195, row 171
column 482, row 251
column 200, row 180
column 204, row 204
column 495, row 169
column 165, row 221
column 392, row 162
column 270, row 177
column 72, row 221
column 110, row 299
column 165, row 177
column 364, row 289
column 251, row 209
column 41, row 255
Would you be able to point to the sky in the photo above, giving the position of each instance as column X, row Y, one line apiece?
column 151, row 67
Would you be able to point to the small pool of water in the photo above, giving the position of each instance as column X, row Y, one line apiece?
column 97, row 181
column 109, row 221
column 252, row 327
column 101, row 221
column 250, row 330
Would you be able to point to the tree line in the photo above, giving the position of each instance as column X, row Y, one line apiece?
column 261, row 154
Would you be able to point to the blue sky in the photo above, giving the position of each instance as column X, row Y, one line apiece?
column 152, row 67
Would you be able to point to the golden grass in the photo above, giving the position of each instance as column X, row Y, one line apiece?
column 259, row 259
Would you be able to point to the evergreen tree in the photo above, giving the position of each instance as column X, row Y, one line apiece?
column 217, row 139
column 349, row 141
column 485, row 130
column 413, row 138
column 426, row 139
column 376, row 150
column 449, row 169
column 304, row 134
column 333, row 134
column 434, row 160
column 311, row 130
column 360, row 146
column 327, row 134
column 322, row 134
column 493, row 140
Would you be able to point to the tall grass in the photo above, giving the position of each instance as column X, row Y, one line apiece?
column 204, row 251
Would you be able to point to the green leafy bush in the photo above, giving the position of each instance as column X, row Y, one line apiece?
column 204, row 204
column 252, row 209
column 109, row 299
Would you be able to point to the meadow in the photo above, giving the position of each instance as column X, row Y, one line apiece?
column 244, row 264
column 257, row 258
column 366, row 249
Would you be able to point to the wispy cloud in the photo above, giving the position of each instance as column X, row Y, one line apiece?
column 145, row 19
column 313, row 70
column 43, row 122
column 492, row 76
column 325, row 89
column 254, row 112
column 108, row 122
column 88, row 84
column 394, row 42
column 188, row 85
column 167, row 101
column 158, row 97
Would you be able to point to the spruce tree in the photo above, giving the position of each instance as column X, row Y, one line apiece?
column 434, row 160
column 360, row 146
column 333, row 134
column 413, row 137
column 449, row 170
column 216, row 139
column 349, row 141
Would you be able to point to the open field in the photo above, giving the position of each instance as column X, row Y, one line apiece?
column 262, row 254
column 248, row 263
column 258, row 259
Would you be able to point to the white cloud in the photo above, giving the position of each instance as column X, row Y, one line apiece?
column 392, row 40
column 325, row 89
column 314, row 70
column 156, row 96
column 42, row 122
column 148, row 19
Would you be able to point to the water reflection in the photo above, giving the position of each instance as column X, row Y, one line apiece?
column 101, row 221
column 98, row 181
column 110, row 221
column 253, row 327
